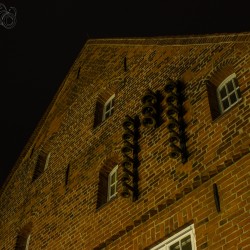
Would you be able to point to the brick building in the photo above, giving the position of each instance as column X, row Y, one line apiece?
column 145, row 146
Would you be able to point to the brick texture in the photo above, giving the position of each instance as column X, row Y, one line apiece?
column 60, row 207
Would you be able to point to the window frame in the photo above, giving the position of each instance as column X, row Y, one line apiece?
column 108, row 112
column 23, row 241
column 235, row 90
column 47, row 161
column 27, row 242
column 41, row 165
column 165, row 245
column 110, row 184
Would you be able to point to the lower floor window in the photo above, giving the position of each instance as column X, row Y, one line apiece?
column 112, row 183
column 184, row 240
column 27, row 243
column 22, row 242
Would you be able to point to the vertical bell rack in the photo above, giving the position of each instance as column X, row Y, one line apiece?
column 150, row 109
column 176, row 126
column 130, row 161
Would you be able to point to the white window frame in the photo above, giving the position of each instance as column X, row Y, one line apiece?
column 47, row 161
column 107, row 112
column 27, row 242
column 165, row 245
column 114, row 184
column 235, row 91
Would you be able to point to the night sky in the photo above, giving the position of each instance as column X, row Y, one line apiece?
column 37, row 53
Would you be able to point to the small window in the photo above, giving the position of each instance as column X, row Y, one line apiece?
column 184, row 240
column 108, row 108
column 228, row 93
column 107, row 185
column 104, row 107
column 112, row 183
column 23, row 238
column 22, row 242
column 41, row 164
column 27, row 243
column 222, row 94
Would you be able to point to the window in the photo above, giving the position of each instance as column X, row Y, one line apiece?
column 228, row 93
column 104, row 107
column 223, row 92
column 22, row 242
column 107, row 185
column 112, row 183
column 184, row 240
column 27, row 243
column 41, row 164
column 23, row 238
column 108, row 108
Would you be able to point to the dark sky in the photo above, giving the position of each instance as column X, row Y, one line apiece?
column 37, row 53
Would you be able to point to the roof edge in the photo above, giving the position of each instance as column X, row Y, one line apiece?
column 173, row 40
column 39, row 126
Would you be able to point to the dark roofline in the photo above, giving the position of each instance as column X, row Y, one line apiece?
column 173, row 40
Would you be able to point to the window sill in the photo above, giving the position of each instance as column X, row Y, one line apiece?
column 105, row 204
column 101, row 124
column 227, row 111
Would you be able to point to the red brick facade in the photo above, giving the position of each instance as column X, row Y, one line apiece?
column 62, row 206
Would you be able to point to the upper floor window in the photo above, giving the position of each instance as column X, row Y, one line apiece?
column 104, row 107
column 107, row 185
column 184, row 240
column 41, row 164
column 223, row 93
column 228, row 93
column 108, row 108
column 112, row 183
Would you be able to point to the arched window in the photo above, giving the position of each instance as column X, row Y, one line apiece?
column 22, row 242
column 184, row 240
column 104, row 107
column 112, row 183
column 108, row 108
column 23, row 238
column 228, row 93
column 41, row 164
column 223, row 92
column 107, row 186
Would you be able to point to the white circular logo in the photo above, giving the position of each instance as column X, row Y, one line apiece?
column 7, row 17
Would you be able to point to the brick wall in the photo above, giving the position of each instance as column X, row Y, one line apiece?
column 171, row 194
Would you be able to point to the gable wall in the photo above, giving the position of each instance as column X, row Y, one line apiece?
column 67, row 218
